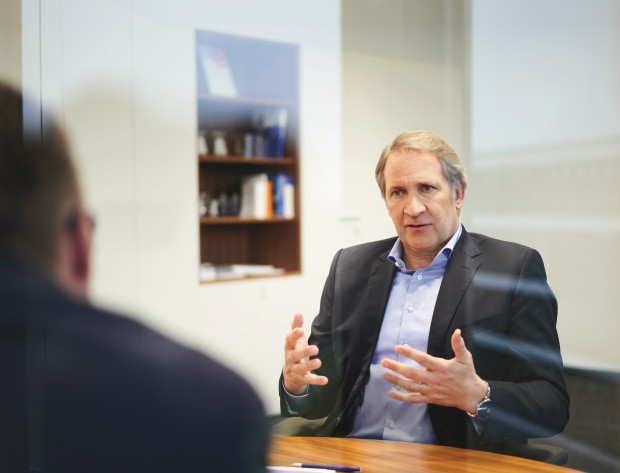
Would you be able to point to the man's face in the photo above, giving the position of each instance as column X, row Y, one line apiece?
column 419, row 202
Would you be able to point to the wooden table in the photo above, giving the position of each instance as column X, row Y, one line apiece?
column 383, row 456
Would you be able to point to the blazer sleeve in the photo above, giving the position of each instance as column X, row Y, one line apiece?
column 521, row 359
column 321, row 399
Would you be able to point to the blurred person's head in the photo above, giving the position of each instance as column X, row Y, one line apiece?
column 42, row 220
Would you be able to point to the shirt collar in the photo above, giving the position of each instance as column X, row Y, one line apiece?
column 396, row 253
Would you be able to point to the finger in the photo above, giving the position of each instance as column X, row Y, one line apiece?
column 297, row 356
column 293, row 337
column 304, row 366
column 461, row 353
column 298, row 321
column 398, row 381
column 406, row 390
column 412, row 398
column 312, row 378
column 412, row 384
column 424, row 359
column 406, row 371
column 301, row 374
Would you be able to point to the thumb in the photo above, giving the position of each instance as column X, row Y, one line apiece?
column 461, row 353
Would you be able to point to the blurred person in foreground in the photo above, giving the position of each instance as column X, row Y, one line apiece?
column 437, row 335
column 83, row 389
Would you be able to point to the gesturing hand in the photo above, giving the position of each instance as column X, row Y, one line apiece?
column 298, row 367
column 451, row 383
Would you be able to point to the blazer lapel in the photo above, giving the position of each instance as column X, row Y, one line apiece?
column 380, row 278
column 461, row 268
column 379, row 286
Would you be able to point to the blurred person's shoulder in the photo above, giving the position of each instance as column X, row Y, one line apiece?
column 84, row 340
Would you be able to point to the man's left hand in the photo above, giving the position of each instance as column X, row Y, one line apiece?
column 452, row 383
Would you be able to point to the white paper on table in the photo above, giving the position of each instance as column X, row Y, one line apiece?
column 295, row 469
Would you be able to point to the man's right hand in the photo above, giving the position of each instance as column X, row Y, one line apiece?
column 298, row 366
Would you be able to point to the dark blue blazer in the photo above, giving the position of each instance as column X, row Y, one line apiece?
column 494, row 291
column 84, row 390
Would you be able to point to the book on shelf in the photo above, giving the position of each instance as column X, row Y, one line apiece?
column 217, row 71
column 255, row 196
column 288, row 208
column 283, row 195
column 267, row 195
column 274, row 133
column 269, row 198
column 256, row 269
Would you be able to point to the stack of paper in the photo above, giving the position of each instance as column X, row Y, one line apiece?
column 256, row 269
column 210, row 272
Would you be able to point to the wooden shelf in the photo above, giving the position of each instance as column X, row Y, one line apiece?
column 246, row 100
column 250, row 278
column 266, row 80
column 244, row 221
column 249, row 161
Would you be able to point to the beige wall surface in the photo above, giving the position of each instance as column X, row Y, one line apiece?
column 402, row 70
column 545, row 162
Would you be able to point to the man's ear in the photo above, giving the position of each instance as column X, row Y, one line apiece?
column 459, row 198
column 73, row 263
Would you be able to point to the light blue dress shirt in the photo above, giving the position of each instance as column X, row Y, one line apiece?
column 407, row 321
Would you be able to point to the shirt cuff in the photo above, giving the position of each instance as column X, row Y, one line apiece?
column 295, row 402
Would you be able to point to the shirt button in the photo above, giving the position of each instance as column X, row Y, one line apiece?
column 392, row 425
column 410, row 308
column 419, row 277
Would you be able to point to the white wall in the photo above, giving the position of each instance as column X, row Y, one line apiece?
column 121, row 76
column 402, row 70
column 546, row 153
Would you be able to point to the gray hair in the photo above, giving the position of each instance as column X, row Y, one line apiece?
column 425, row 142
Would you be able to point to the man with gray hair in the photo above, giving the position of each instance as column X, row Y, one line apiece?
column 437, row 335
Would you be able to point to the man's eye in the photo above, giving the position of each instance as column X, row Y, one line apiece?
column 397, row 193
column 427, row 188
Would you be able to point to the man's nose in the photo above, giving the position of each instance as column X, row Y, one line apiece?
column 415, row 205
